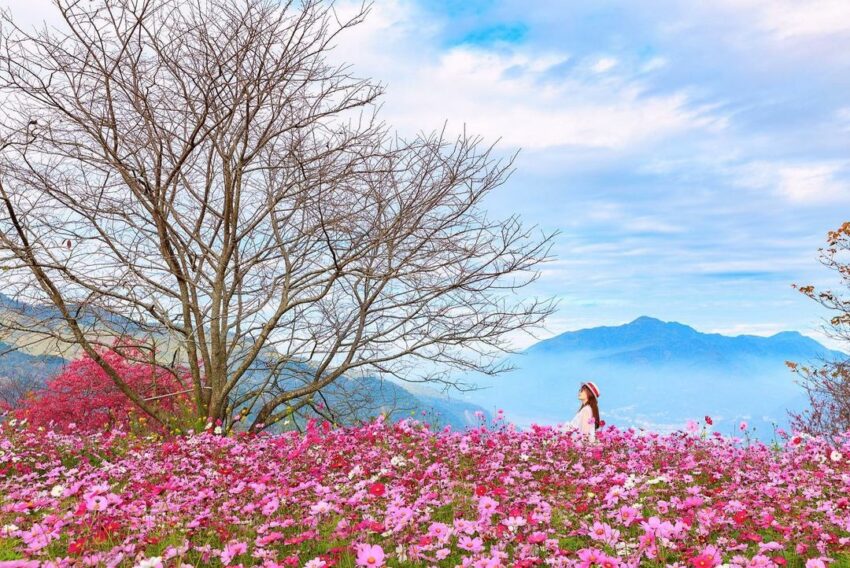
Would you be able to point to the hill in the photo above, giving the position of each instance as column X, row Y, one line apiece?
column 26, row 362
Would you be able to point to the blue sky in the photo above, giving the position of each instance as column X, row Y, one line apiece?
column 692, row 157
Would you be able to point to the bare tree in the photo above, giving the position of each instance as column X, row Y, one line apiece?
column 827, row 383
column 200, row 175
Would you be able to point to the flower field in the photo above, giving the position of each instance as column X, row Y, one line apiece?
column 404, row 495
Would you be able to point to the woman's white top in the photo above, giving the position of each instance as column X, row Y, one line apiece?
column 584, row 422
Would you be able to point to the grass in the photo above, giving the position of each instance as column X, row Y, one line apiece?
column 7, row 549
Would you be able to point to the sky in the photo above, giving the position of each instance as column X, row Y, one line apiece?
column 691, row 156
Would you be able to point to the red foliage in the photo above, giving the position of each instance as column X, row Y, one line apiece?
column 84, row 398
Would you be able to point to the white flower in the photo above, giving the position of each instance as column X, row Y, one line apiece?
column 398, row 461
column 57, row 491
column 208, row 426
column 217, row 430
column 355, row 471
column 8, row 529
column 654, row 480
column 153, row 562
column 835, row 456
column 12, row 422
column 315, row 563
column 523, row 457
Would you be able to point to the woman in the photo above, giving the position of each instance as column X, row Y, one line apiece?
column 586, row 419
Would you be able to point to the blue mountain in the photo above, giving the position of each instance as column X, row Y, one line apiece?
column 20, row 368
column 657, row 375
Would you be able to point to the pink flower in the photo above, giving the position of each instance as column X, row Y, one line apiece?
column 815, row 563
column 605, row 533
column 440, row 531
column 370, row 555
column 97, row 503
column 487, row 506
column 692, row 426
column 537, row 537
column 590, row 556
column 470, row 544
column 628, row 515
column 743, row 426
column 270, row 507
column 232, row 550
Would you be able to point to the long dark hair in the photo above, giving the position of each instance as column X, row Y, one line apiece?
column 592, row 403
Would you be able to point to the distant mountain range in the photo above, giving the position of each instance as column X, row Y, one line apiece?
column 653, row 374
column 657, row 375
column 33, row 363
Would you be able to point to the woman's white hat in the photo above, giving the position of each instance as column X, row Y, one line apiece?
column 591, row 386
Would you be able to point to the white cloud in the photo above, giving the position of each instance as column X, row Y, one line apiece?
column 604, row 64
column 508, row 94
column 793, row 19
column 805, row 183
column 762, row 329
column 813, row 183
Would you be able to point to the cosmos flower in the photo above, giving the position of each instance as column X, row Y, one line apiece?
column 370, row 555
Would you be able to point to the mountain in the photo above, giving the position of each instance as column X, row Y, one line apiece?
column 21, row 369
column 656, row 375
column 357, row 398
column 370, row 396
